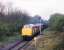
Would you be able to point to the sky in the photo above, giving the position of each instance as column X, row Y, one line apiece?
column 44, row 8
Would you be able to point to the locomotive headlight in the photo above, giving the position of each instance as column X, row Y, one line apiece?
column 26, row 32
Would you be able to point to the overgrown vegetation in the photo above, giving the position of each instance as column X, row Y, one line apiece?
column 56, row 22
column 11, row 22
column 53, row 36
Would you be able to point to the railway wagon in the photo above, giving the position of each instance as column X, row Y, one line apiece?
column 28, row 31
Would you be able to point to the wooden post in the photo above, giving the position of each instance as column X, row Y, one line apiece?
column 35, row 39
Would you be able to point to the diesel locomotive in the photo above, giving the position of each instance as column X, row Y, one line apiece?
column 28, row 31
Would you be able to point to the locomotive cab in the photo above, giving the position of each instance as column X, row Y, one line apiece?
column 26, row 32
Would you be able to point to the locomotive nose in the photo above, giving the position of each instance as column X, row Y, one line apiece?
column 26, row 32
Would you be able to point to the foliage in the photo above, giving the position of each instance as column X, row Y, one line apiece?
column 56, row 22
column 11, row 21
column 53, row 37
column 51, row 40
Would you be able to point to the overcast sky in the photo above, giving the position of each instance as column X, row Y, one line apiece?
column 42, row 7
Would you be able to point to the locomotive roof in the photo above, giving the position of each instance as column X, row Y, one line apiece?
column 32, row 25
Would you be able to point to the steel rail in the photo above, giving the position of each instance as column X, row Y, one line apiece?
column 15, row 45
column 23, row 46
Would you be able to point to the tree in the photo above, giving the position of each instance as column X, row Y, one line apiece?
column 12, row 20
column 56, row 22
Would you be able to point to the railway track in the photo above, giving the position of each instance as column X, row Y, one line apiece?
column 19, row 45
column 23, row 47
column 15, row 45
column 26, row 46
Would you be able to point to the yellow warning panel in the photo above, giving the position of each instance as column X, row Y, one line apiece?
column 27, row 32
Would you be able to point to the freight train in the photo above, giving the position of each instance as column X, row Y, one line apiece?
column 28, row 31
